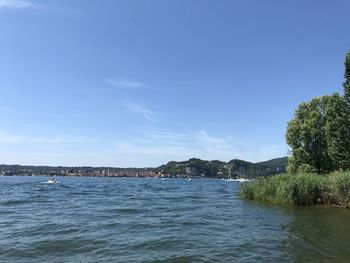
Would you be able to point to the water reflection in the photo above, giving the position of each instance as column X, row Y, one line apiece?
column 319, row 235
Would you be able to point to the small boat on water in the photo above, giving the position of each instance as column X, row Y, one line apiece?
column 230, row 180
column 239, row 180
column 242, row 180
column 51, row 180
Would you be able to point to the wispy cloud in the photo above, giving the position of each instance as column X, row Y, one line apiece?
column 273, row 151
column 15, row 4
column 159, row 147
column 124, row 84
column 138, row 109
column 205, row 138
column 9, row 138
column 225, row 148
column 60, row 140
column 152, row 147
column 148, row 147
column 155, row 136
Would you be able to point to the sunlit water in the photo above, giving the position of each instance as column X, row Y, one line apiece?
column 150, row 220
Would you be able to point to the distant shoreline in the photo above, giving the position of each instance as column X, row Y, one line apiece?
column 121, row 176
column 194, row 168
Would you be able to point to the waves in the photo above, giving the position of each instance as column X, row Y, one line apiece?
column 147, row 220
column 14, row 202
column 133, row 220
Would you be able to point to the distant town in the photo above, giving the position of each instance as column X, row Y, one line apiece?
column 19, row 170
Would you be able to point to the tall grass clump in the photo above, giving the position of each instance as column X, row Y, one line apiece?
column 340, row 188
column 300, row 189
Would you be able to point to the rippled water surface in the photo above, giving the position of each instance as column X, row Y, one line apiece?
column 150, row 220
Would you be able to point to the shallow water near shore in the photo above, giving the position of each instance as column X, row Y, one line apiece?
column 150, row 220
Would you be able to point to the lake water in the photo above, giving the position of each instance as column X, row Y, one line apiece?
column 150, row 220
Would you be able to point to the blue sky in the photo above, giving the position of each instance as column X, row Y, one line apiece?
column 140, row 83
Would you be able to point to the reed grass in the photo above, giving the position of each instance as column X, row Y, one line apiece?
column 300, row 189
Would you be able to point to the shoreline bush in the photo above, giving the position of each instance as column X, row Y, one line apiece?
column 300, row 189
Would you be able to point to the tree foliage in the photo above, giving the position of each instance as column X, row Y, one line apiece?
column 319, row 133
column 346, row 84
column 306, row 137
column 337, row 131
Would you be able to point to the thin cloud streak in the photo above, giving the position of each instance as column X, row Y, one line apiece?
column 138, row 109
column 166, row 146
column 275, row 150
column 156, row 147
column 157, row 136
column 204, row 137
column 60, row 140
column 124, row 84
column 15, row 4
column 9, row 138
column 149, row 148
column 53, row 158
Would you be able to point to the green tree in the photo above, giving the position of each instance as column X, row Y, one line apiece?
column 337, row 131
column 346, row 84
column 319, row 133
column 306, row 136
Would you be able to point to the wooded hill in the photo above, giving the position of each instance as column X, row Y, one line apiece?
column 234, row 168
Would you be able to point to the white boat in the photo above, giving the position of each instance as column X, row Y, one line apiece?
column 230, row 180
column 51, row 180
column 242, row 180
column 189, row 179
column 239, row 180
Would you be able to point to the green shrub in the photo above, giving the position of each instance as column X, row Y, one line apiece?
column 300, row 189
